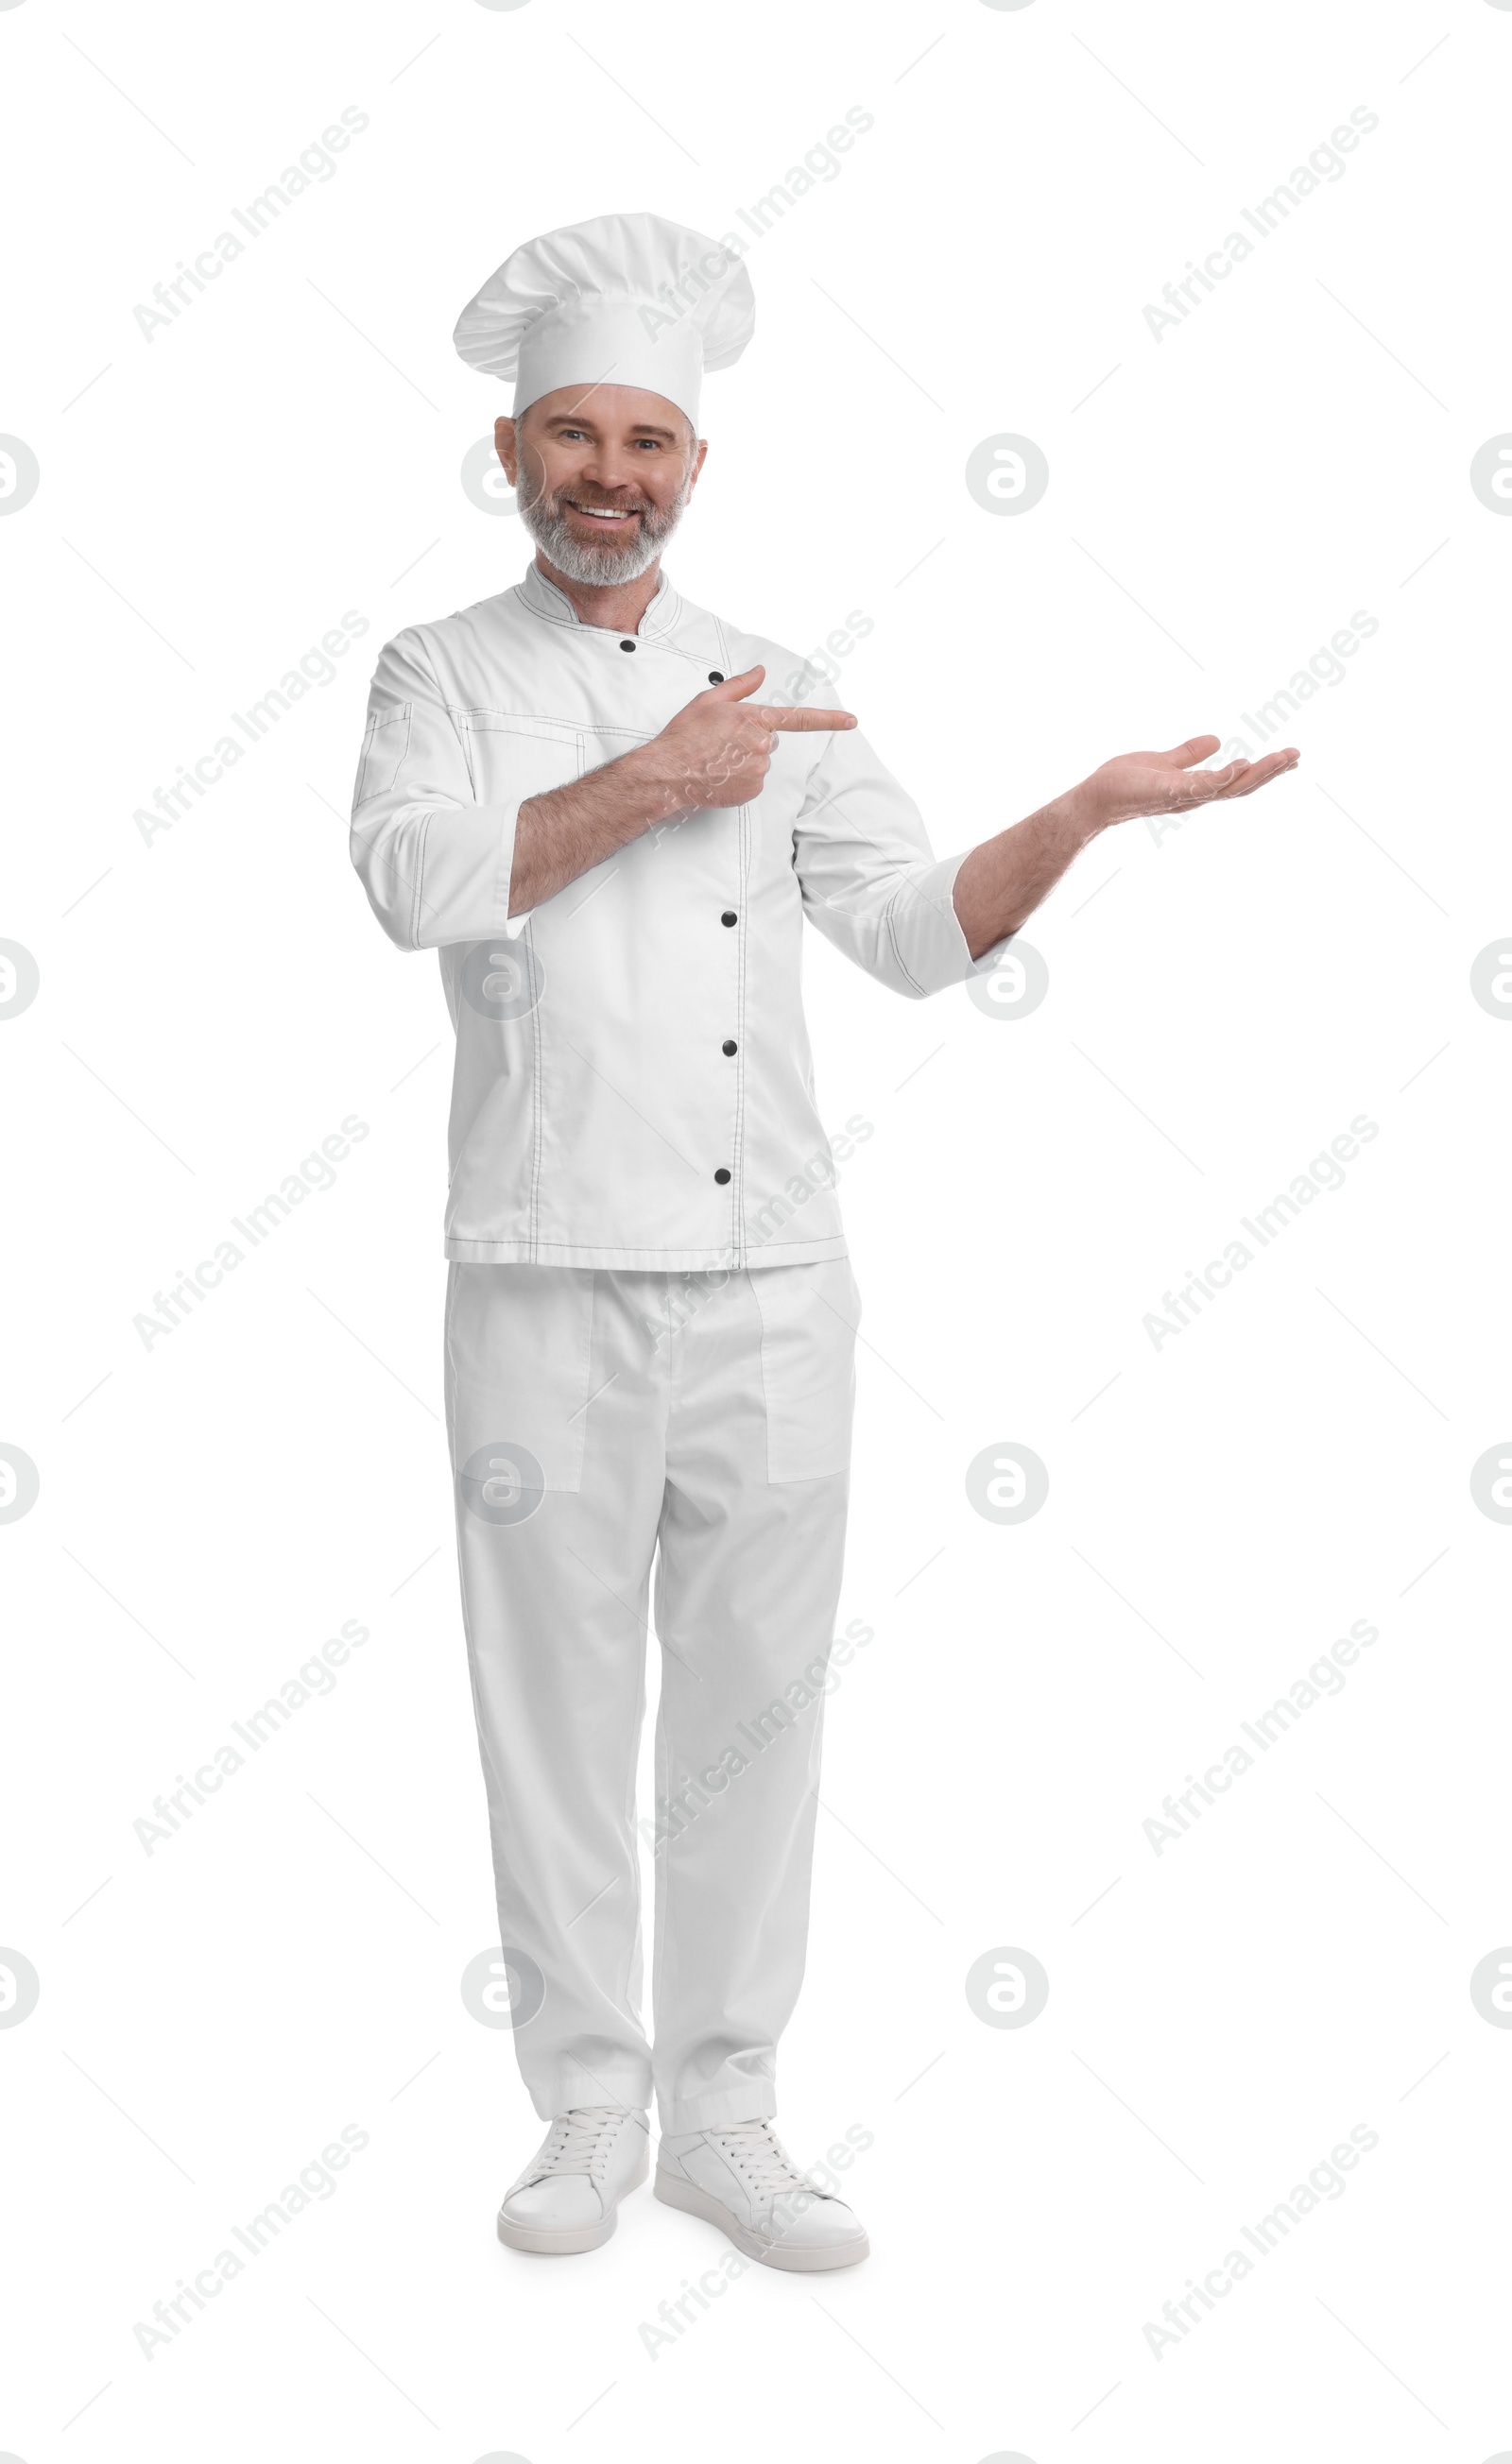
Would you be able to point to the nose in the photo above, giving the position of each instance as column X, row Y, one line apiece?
column 608, row 469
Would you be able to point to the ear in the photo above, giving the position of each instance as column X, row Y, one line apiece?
column 506, row 447
column 697, row 463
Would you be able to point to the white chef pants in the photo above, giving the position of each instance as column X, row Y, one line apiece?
column 596, row 1420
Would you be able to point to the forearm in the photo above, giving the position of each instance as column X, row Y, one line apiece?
column 568, row 831
column 714, row 753
column 1002, row 881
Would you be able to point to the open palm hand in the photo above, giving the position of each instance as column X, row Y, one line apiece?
column 1133, row 783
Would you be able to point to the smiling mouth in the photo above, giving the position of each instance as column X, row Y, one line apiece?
column 606, row 514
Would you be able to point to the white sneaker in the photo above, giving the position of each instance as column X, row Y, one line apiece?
column 741, row 2178
column 565, row 2198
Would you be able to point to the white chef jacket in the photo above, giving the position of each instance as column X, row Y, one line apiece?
column 599, row 1117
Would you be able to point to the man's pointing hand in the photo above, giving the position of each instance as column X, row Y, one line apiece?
column 771, row 713
column 718, row 749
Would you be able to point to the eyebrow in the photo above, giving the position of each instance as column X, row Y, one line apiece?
column 638, row 427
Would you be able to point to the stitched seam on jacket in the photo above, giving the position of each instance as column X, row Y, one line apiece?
column 461, row 725
column 525, row 944
column 892, row 935
column 738, row 1160
column 657, row 642
column 573, row 623
column 468, row 713
column 419, row 882
column 401, row 714
column 537, row 1102
column 664, row 624
column 537, row 1071
column 738, row 1184
column 463, row 716
column 423, row 653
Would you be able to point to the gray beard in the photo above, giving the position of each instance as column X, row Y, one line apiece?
column 598, row 562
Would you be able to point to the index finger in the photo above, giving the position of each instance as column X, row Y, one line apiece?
column 798, row 722
column 1259, row 773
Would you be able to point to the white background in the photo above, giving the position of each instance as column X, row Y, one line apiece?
column 215, row 1001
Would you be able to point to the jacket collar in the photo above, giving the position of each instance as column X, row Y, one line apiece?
column 544, row 599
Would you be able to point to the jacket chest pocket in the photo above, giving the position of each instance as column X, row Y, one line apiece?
column 509, row 759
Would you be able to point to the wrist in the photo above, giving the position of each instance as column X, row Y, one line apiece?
column 1080, row 814
column 657, row 793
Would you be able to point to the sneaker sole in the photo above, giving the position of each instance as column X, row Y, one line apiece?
column 565, row 2241
column 793, row 2257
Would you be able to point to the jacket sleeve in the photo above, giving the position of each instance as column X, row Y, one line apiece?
column 434, row 863
column 870, row 881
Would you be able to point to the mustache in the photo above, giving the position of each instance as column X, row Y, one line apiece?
column 532, row 490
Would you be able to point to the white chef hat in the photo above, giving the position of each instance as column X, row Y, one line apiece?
column 624, row 299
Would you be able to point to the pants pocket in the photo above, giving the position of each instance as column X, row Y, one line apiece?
column 519, row 1351
column 809, row 1316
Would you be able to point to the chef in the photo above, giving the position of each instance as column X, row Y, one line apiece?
column 585, row 795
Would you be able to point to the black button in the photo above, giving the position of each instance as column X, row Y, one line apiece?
column 715, row 677
column 722, row 1176
column 729, row 916
column 627, row 646
column 727, row 1047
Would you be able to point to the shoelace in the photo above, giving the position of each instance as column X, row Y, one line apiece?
column 577, row 2140
column 756, row 2150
